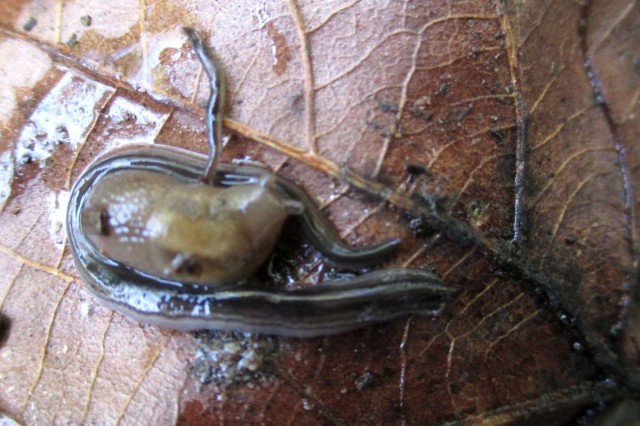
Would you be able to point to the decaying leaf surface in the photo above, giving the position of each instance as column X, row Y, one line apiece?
column 435, row 107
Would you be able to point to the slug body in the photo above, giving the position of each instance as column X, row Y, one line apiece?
column 196, row 233
column 174, row 238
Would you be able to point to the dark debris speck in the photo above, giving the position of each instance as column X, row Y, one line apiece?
column 415, row 168
column 5, row 325
column 388, row 106
column 30, row 24
column 498, row 135
column 365, row 380
column 86, row 20
column 73, row 40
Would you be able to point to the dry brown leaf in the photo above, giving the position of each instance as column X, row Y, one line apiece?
column 436, row 107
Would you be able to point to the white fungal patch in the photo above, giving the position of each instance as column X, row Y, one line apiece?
column 64, row 116
column 85, row 309
column 130, row 123
column 57, row 207
column 6, row 177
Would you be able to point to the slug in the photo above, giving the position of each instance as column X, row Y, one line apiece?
column 197, row 233
column 174, row 238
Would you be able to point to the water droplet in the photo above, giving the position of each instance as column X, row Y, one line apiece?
column 307, row 405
